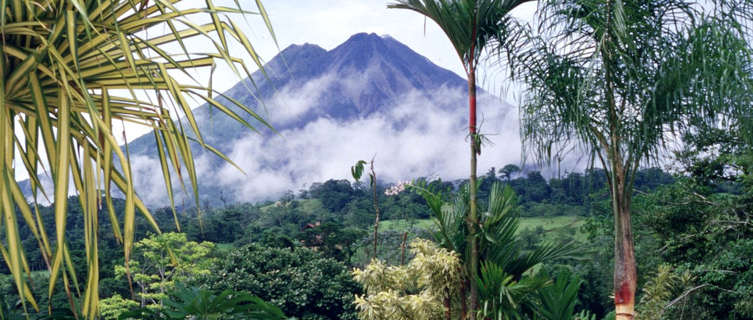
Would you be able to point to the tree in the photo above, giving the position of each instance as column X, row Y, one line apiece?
column 333, row 239
column 471, row 25
column 112, row 307
column 705, row 232
column 620, row 79
column 162, row 260
column 537, row 189
column 357, row 171
column 508, row 171
column 334, row 194
column 70, row 69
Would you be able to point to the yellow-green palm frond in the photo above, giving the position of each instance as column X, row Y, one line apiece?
column 70, row 70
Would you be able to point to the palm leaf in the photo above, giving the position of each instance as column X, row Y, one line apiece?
column 469, row 24
column 73, row 68
column 558, row 300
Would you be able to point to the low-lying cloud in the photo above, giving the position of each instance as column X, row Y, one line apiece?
column 423, row 134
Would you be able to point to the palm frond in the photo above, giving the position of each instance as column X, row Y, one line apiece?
column 558, row 300
column 70, row 70
column 447, row 217
column 664, row 80
column 469, row 24
column 502, row 294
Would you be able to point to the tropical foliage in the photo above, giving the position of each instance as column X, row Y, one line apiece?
column 502, row 281
column 620, row 79
column 202, row 304
column 161, row 261
column 422, row 289
column 298, row 280
column 558, row 301
column 473, row 27
column 73, row 72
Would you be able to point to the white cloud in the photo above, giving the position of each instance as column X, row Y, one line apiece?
column 149, row 180
column 294, row 100
column 418, row 137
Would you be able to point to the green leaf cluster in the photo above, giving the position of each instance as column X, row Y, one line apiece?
column 300, row 281
column 163, row 260
column 421, row 289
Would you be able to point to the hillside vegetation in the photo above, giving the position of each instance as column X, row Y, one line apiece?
column 334, row 219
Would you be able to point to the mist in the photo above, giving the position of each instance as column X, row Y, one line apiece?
column 420, row 135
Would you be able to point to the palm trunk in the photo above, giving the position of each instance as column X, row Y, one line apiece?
column 473, row 215
column 625, row 275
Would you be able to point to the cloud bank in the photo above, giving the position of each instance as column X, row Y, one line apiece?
column 420, row 134
column 413, row 139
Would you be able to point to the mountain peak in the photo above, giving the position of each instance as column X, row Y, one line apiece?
column 360, row 43
column 305, row 51
column 364, row 36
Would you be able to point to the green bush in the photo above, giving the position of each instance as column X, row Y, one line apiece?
column 299, row 280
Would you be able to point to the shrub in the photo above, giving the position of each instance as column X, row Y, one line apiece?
column 300, row 281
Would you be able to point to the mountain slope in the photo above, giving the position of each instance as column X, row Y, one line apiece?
column 369, row 96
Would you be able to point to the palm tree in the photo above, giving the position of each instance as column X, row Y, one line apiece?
column 70, row 69
column 621, row 79
column 504, row 263
column 471, row 26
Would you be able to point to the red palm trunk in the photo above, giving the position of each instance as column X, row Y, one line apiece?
column 472, row 216
column 625, row 275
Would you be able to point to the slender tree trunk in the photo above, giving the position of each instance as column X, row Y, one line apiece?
column 473, row 215
column 463, row 300
column 402, row 248
column 447, row 305
column 376, row 208
column 625, row 275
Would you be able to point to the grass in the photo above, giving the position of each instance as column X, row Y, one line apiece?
column 554, row 226
column 551, row 223
column 401, row 224
column 548, row 224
